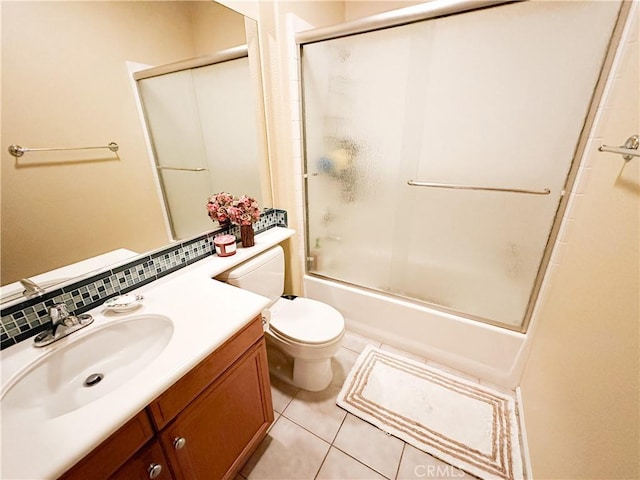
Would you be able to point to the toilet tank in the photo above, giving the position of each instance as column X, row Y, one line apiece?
column 262, row 274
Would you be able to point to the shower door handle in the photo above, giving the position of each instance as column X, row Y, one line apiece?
column 181, row 169
column 415, row 183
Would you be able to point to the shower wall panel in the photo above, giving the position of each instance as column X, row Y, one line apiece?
column 491, row 98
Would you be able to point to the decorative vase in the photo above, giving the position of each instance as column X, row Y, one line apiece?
column 246, row 235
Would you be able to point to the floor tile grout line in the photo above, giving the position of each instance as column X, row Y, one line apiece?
column 322, row 463
column 361, row 462
column 351, row 456
column 375, row 344
column 332, row 444
column 341, row 424
column 352, row 350
column 404, row 447
column 289, row 402
column 306, row 429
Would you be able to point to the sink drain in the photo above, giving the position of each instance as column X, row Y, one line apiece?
column 93, row 379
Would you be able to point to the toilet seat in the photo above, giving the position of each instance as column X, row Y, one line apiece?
column 305, row 321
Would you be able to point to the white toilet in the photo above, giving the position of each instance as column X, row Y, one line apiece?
column 302, row 334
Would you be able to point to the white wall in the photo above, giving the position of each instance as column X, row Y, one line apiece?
column 580, row 388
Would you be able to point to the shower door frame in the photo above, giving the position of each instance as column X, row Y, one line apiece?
column 437, row 9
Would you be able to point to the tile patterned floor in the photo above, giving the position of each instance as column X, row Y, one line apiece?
column 313, row 438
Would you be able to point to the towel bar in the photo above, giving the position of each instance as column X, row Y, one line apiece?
column 628, row 150
column 18, row 151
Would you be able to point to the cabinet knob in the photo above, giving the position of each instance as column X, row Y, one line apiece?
column 179, row 442
column 154, row 470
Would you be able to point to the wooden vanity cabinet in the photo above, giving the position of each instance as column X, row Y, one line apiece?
column 222, row 427
column 148, row 462
column 204, row 427
column 105, row 460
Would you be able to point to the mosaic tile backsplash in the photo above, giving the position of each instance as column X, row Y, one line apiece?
column 25, row 319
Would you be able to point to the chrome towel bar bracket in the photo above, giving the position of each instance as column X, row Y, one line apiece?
column 18, row 151
column 628, row 150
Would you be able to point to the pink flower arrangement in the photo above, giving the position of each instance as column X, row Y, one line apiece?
column 226, row 208
column 218, row 207
column 244, row 211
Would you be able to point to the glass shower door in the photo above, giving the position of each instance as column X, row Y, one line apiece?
column 203, row 130
column 229, row 130
column 172, row 113
column 437, row 152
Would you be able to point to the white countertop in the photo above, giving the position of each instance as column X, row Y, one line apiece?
column 205, row 313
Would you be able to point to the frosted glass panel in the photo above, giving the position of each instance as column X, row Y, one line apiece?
column 183, row 192
column 171, row 109
column 228, row 121
column 495, row 98
column 203, row 128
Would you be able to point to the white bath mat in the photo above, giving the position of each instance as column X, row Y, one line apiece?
column 463, row 423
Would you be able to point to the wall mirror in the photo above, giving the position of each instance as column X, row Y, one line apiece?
column 200, row 118
column 67, row 83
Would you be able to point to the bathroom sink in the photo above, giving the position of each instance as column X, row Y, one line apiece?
column 83, row 370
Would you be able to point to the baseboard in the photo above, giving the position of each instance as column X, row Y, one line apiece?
column 524, row 447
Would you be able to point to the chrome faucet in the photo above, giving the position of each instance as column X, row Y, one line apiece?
column 60, row 316
column 31, row 288
column 63, row 323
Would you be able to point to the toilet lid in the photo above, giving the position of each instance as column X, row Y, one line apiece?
column 306, row 321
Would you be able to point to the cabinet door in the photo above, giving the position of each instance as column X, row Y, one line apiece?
column 166, row 407
column 215, row 435
column 148, row 463
column 105, row 459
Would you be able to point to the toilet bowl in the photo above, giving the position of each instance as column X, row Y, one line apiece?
column 302, row 334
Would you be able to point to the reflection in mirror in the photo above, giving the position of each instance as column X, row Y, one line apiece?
column 201, row 119
column 66, row 84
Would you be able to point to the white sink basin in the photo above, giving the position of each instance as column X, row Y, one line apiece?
column 57, row 383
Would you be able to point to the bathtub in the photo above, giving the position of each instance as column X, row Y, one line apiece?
column 490, row 353
column 500, row 295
